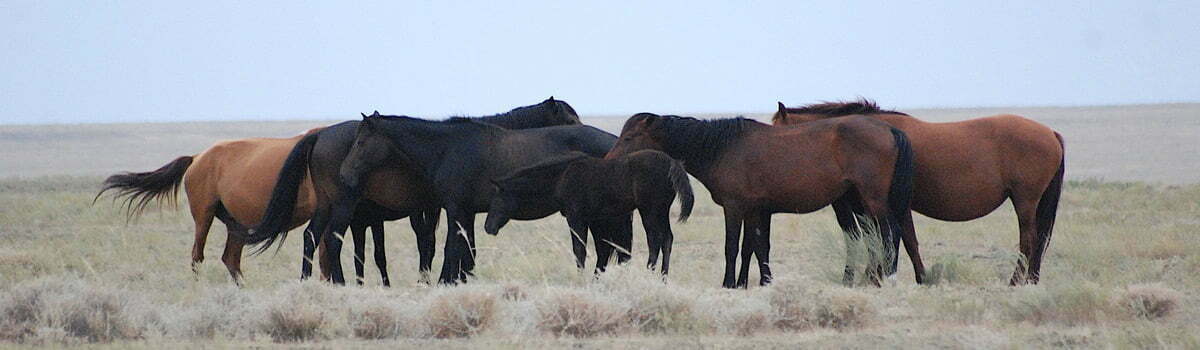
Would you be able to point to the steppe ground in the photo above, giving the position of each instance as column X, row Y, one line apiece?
column 1121, row 271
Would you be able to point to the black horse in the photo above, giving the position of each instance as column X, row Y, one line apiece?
column 398, row 190
column 587, row 189
column 461, row 157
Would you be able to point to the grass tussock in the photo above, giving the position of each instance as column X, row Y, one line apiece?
column 69, row 310
column 580, row 314
column 1073, row 305
column 461, row 312
column 1149, row 301
column 299, row 313
column 799, row 308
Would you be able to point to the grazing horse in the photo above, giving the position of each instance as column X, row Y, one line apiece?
column 231, row 181
column 966, row 169
column 754, row 170
column 586, row 189
column 461, row 157
column 395, row 187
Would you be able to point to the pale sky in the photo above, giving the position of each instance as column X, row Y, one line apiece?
column 134, row 61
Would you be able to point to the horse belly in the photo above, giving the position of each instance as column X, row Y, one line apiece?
column 398, row 189
column 961, row 196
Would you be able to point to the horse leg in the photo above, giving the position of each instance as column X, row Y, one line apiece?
column 203, row 217
column 733, row 232
column 342, row 215
column 579, row 232
column 749, row 239
column 623, row 237
column 762, row 250
column 423, row 225
column 904, row 223
column 316, row 226
column 604, row 246
column 358, row 232
column 1027, row 222
column 455, row 248
column 654, row 236
column 380, row 255
column 843, row 209
column 232, row 257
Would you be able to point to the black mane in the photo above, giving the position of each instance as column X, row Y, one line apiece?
column 842, row 108
column 697, row 142
column 527, row 117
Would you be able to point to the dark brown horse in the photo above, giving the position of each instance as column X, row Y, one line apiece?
column 754, row 170
column 966, row 169
column 587, row 190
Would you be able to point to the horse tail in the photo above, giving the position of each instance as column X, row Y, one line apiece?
column 278, row 217
column 901, row 192
column 139, row 189
column 683, row 187
column 1047, row 210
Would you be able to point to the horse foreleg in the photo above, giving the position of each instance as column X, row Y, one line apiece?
column 456, row 247
column 733, row 231
column 423, row 225
column 359, row 233
column 762, row 250
column 654, row 235
column 380, row 255
column 749, row 240
column 315, row 227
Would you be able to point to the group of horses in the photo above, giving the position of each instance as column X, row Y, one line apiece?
column 873, row 166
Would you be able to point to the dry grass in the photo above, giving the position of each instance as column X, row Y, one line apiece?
column 75, row 274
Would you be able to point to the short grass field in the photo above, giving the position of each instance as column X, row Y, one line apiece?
column 1121, row 271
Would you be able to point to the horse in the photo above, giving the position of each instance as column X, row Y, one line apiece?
column 231, row 181
column 966, row 169
column 396, row 187
column 460, row 157
column 586, row 189
column 754, row 170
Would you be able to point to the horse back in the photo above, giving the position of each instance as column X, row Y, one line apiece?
column 241, row 174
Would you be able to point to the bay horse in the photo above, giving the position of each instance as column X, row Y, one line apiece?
column 754, row 170
column 460, row 157
column 586, row 189
column 231, row 181
column 966, row 169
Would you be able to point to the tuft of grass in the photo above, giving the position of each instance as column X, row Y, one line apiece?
column 576, row 314
column 1074, row 304
column 952, row 269
column 1149, row 301
column 663, row 311
column 461, row 312
column 69, row 308
column 798, row 308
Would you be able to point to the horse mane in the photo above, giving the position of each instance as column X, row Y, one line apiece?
column 524, row 172
column 698, row 141
column 524, row 117
column 840, row 108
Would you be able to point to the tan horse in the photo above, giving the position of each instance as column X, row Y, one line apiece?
column 966, row 169
column 230, row 181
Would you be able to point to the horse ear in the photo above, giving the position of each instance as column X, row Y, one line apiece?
column 551, row 98
column 782, row 108
column 376, row 114
column 364, row 115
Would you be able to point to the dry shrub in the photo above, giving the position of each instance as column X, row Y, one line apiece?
column 461, row 313
column 514, row 292
column 661, row 311
column 838, row 308
column 575, row 314
column 1077, row 304
column 299, row 312
column 222, row 311
column 748, row 323
column 952, row 269
column 70, row 308
column 1149, row 301
column 380, row 323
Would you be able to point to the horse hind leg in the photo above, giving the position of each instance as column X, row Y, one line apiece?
column 203, row 218
column 232, row 257
column 762, row 249
column 380, row 253
column 1027, row 225
column 844, row 210
column 749, row 240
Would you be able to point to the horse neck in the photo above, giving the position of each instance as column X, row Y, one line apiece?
column 521, row 118
column 699, row 153
column 427, row 143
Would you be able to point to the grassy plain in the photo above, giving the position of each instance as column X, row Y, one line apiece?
column 1120, row 272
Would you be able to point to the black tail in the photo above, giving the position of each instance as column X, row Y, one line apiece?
column 683, row 188
column 1047, row 210
column 139, row 189
column 275, row 221
column 901, row 192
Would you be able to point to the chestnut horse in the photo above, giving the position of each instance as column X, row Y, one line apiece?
column 966, row 169
column 231, row 181
column 754, row 170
